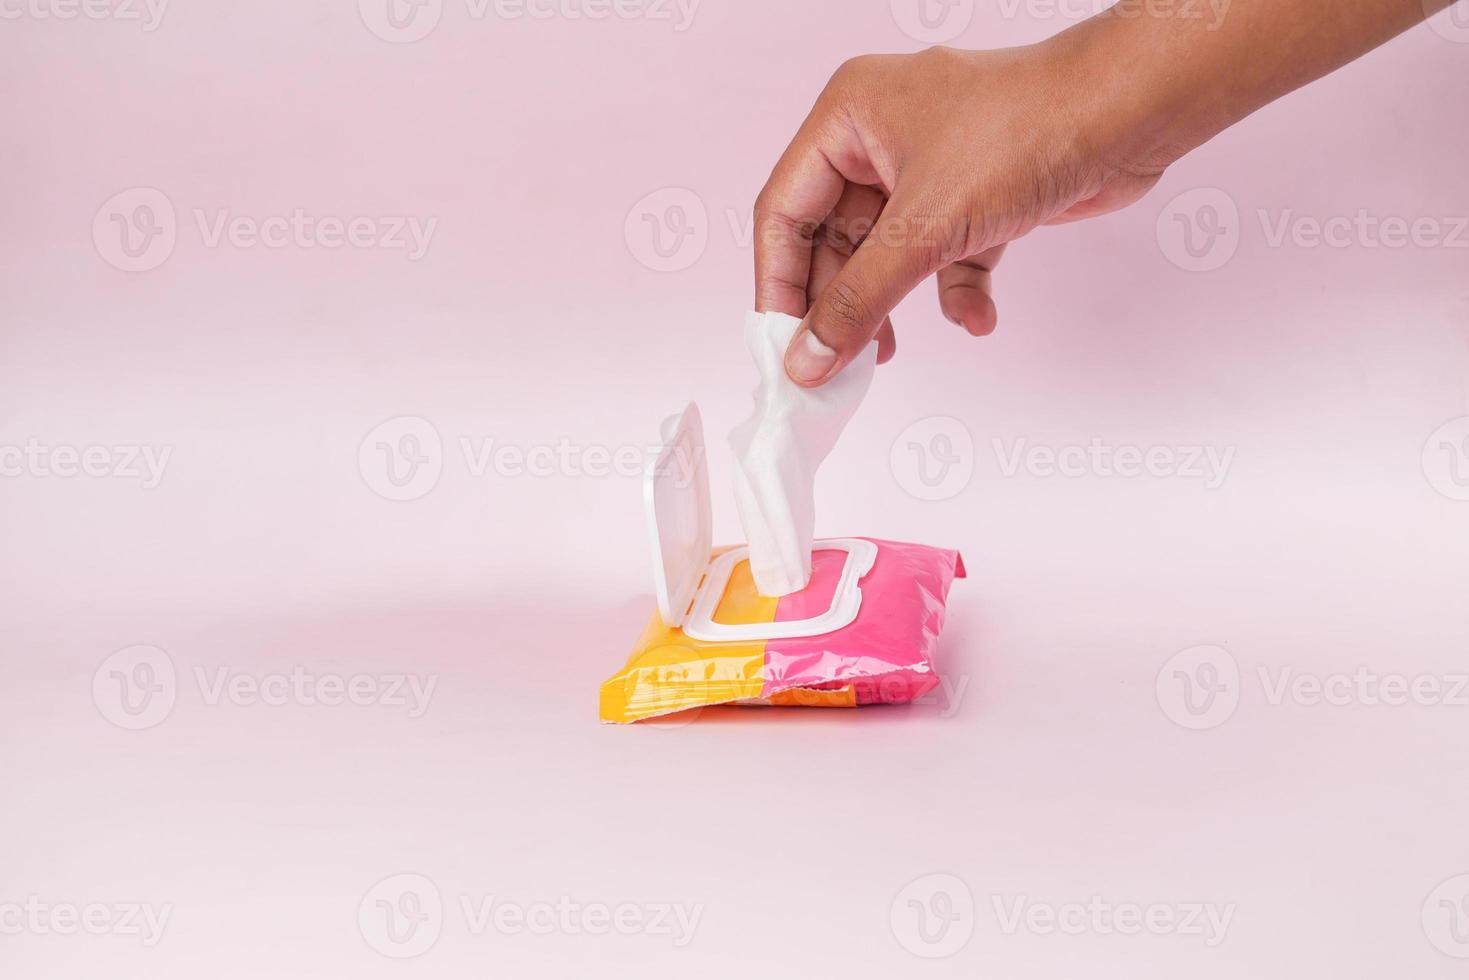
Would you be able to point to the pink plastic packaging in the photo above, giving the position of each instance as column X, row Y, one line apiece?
column 886, row 654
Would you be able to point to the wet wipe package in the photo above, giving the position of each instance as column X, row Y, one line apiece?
column 784, row 620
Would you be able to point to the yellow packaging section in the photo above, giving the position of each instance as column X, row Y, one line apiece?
column 670, row 672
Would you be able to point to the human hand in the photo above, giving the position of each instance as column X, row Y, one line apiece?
column 914, row 164
column 910, row 165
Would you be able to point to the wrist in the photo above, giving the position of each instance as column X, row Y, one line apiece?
column 1134, row 113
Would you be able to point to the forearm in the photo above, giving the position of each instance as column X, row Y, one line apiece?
column 1169, row 82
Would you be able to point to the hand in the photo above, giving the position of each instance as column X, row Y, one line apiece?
column 914, row 164
column 911, row 165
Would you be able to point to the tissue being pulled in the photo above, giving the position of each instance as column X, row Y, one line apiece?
column 779, row 448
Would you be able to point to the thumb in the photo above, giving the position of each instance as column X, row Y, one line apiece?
column 842, row 321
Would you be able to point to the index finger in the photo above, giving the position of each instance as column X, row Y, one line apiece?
column 802, row 190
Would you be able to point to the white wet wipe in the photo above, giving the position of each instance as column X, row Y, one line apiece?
column 778, row 450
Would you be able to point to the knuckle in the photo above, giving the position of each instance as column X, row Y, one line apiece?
column 962, row 232
column 924, row 237
column 844, row 235
column 940, row 58
column 852, row 72
column 942, row 230
column 847, row 309
column 762, row 205
column 772, row 227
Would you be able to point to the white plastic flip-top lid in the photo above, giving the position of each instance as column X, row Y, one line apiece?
column 680, row 527
column 688, row 583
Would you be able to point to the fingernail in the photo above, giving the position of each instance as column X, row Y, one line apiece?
column 808, row 360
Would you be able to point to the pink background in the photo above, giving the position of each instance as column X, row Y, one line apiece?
column 1059, row 774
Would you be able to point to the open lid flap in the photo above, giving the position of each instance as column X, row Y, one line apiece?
column 680, row 526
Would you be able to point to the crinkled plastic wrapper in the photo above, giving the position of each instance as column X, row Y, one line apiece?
column 884, row 656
